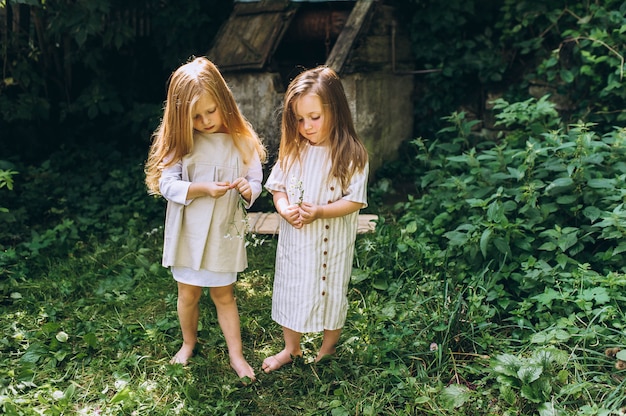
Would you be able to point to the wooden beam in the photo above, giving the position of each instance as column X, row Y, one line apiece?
column 269, row 223
column 348, row 35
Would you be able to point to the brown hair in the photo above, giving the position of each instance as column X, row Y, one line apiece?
column 348, row 154
column 173, row 139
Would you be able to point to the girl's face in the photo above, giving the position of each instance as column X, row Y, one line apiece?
column 310, row 115
column 207, row 117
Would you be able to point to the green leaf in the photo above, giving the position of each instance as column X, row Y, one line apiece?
column 60, row 355
column 121, row 396
column 456, row 238
column 34, row 353
column 389, row 311
column 507, row 364
column 380, row 284
column 502, row 245
column 508, row 395
column 592, row 213
column 559, row 183
column 566, row 199
column 620, row 248
column 547, row 297
column 547, row 409
column 456, row 395
column 69, row 391
column 601, row 183
column 567, row 76
column 621, row 355
column 529, row 373
column 567, row 240
column 91, row 340
column 484, row 241
column 549, row 246
column 599, row 294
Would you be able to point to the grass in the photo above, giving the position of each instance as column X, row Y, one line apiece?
column 89, row 323
column 93, row 334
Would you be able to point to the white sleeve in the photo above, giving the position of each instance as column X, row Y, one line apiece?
column 357, row 190
column 254, row 178
column 171, row 185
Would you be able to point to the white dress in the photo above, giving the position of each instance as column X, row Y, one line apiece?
column 314, row 263
column 204, row 237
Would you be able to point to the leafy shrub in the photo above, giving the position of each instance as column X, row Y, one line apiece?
column 552, row 200
column 76, row 196
column 532, row 379
column 94, row 69
column 482, row 49
column 513, row 241
column 6, row 181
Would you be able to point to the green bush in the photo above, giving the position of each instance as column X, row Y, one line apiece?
column 515, row 243
column 526, row 209
column 484, row 49
column 94, row 71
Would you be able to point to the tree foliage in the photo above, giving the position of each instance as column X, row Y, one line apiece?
column 573, row 51
column 93, row 70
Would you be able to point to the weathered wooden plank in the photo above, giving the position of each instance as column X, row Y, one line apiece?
column 268, row 223
column 348, row 35
column 247, row 40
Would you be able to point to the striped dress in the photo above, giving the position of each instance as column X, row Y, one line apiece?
column 314, row 263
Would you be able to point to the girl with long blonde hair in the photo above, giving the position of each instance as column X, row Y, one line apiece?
column 205, row 160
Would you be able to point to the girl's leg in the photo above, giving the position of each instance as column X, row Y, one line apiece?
column 188, row 313
column 228, row 318
column 292, row 348
column 329, row 343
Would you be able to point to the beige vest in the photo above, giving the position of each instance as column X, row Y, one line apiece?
column 208, row 233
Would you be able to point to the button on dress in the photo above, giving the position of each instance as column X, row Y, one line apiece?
column 314, row 263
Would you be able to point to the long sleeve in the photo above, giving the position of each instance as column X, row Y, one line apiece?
column 255, row 179
column 172, row 186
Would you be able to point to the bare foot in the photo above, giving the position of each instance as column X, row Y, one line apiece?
column 276, row 361
column 242, row 368
column 324, row 356
column 183, row 355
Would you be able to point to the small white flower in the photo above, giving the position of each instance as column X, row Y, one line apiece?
column 296, row 191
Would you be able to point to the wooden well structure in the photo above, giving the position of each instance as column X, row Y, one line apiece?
column 266, row 43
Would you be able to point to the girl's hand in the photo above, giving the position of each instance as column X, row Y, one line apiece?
column 243, row 187
column 291, row 214
column 310, row 212
column 217, row 189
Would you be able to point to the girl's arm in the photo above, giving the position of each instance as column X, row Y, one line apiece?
column 174, row 189
column 171, row 185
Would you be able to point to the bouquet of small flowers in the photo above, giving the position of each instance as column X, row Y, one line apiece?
column 296, row 191
column 243, row 229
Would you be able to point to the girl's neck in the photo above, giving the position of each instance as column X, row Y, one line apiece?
column 323, row 143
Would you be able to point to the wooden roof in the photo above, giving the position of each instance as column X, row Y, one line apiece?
column 254, row 30
column 251, row 34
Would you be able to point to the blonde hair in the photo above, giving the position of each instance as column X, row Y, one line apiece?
column 173, row 139
column 348, row 154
